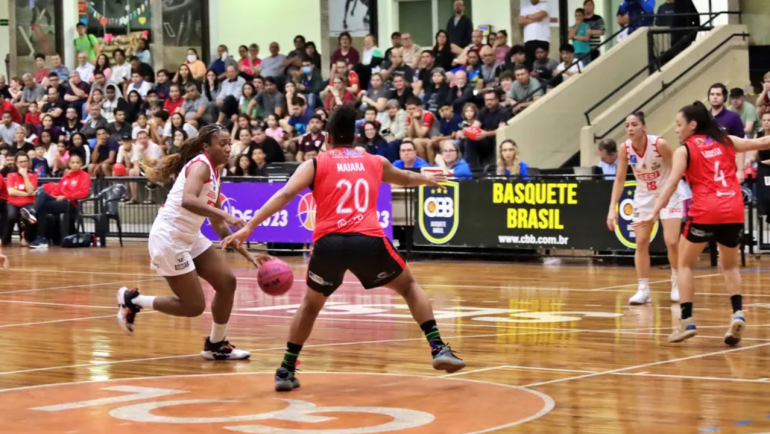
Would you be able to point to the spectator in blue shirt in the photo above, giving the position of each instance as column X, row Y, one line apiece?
column 409, row 158
column 300, row 116
column 608, row 158
column 508, row 161
column 634, row 9
column 451, row 159
column 223, row 60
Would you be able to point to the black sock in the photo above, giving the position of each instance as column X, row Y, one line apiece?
column 737, row 302
column 431, row 333
column 686, row 310
column 290, row 357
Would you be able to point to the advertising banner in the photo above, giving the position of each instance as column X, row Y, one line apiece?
column 518, row 214
column 293, row 224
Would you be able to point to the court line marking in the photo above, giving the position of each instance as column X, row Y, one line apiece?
column 103, row 273
column 78, row 286
column 646, row 365
column 259, row 350
column 55, row 321
column 56, row 304
column 628, row 374
column 548, row 402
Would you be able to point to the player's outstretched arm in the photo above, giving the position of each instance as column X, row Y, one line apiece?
column 405, row 178
column 301, row 180
column 223, row 231
column 746, row 145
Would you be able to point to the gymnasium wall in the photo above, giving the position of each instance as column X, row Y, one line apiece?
column 548, row 131
column 5, row 36
column 728, row 65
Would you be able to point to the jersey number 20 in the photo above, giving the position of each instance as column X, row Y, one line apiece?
column 360, row 193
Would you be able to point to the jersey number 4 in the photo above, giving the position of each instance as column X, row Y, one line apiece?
column 360, row 199
column 719, row 175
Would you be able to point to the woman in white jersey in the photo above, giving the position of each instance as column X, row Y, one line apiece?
column 650, row 158
column 179, row 251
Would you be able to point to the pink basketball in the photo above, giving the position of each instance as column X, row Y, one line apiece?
column 275, row 277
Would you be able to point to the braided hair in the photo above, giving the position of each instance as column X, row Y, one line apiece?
column 171, row 164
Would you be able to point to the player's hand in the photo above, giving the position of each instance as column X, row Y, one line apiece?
column 434, row 179
column 259, row 260
column 235, row 240
column 612, row 220
column 4, row 263
column 234, row 222
column 646, row 221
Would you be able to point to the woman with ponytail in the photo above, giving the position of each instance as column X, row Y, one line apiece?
column 707, row 160
column 179, row 251
column 649, row 157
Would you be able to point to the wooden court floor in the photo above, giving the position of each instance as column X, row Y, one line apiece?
column 550, row 349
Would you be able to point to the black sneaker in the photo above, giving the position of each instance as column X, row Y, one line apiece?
column 444, row 359
column 223, row 351
column 127, row 310
column 28, row 216
column 39, row 243
column 285, row 381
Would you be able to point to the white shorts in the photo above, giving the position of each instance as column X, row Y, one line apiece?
column 172, row 251
column 644, row 204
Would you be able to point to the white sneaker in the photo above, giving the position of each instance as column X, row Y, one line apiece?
column 735, row 332
column 223, row 351
column 642, row 296
column 674, row 290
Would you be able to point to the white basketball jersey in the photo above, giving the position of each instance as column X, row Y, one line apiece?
column 172, row 211
column 649, row 170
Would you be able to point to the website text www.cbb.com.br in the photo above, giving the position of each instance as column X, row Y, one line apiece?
column 531, row 239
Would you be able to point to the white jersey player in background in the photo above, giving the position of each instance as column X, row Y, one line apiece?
column 179, row 251
column 650, row 159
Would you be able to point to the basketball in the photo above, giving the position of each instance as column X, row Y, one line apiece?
column 118, row 169
column 275, row 277
column 472, row 133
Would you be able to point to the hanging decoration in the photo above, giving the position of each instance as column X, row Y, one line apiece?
column 125, row 19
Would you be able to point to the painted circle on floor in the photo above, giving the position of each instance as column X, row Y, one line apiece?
column 338, row 403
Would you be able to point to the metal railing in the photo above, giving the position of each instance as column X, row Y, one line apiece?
column 658, row 57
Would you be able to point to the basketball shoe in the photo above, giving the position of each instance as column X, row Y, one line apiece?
column 223, row 351
column 685, row 331
column 444, row 359
column 285, row 381
column 642, row 296
column 674, row 290
column 735, row 332
column 127, row 310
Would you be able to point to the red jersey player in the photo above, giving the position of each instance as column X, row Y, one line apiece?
column 707, row 159
column 348, row 236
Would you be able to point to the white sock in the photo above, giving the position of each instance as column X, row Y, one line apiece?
column 218, row 332
column 674, row 273
column 144, row 301
column 644, row 283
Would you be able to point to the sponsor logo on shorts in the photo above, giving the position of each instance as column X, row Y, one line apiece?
column 674, row 210
column 697, row 232
column 181, row 262
column 318, row 279
column 384, row 275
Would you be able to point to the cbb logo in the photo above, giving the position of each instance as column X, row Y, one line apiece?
column 439, row 207
column 623, row 229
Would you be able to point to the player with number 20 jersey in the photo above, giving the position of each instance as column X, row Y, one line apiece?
column 348, row 237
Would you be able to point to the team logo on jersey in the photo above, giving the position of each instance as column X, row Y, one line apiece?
column 306, row 211
column 439, row 212
column 632, row 159
column 623, row 229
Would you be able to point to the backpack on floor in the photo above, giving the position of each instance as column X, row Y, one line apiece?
column 85, row 239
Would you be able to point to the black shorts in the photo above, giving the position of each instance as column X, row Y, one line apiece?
column 374, row 261
column 726, row 234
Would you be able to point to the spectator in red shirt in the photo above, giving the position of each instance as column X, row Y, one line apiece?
column 346, row 52
column 21, row 186
column 174, row 100
column 763, row 101
column 3, row 202
column 33, row 116
column 58, row 198
column 42, row 72
column 7, row 106
column 339, row 94
column 421, row 127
